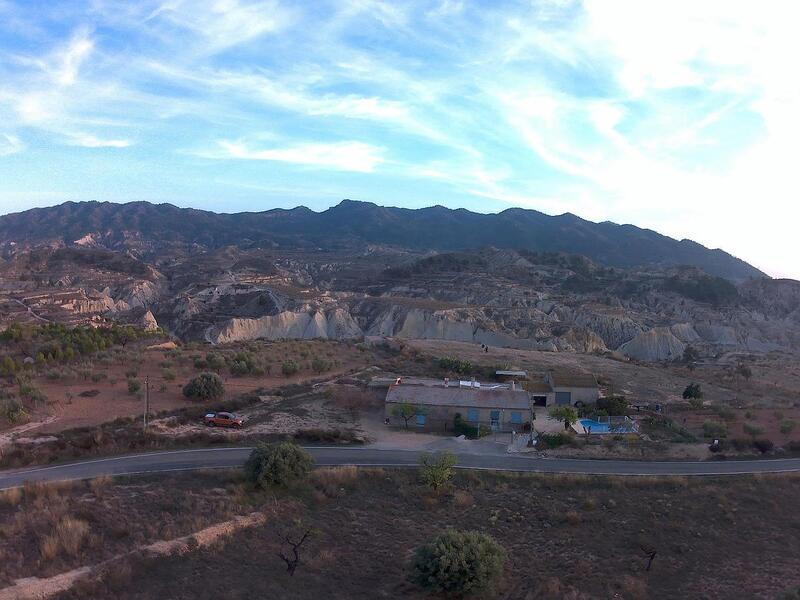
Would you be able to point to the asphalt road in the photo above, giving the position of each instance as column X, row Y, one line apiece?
column 216, row 458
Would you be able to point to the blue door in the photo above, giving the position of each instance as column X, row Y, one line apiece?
column 421, row 420
column 563, row 398
column 494, row 419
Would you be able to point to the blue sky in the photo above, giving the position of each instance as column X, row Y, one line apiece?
column 678, row 116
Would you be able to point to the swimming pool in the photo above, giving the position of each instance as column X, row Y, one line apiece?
column 622, row 426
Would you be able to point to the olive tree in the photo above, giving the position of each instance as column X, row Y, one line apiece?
column 567, row 414
column 206, row 386
column 458, row 563
column 278, row 463
column 436, row 470
column 407, row 411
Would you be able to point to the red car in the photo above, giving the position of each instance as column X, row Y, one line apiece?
column 222, row 419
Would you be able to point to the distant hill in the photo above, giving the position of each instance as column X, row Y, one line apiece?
column 147, row 229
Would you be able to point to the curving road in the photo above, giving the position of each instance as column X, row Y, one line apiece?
column 217, row 458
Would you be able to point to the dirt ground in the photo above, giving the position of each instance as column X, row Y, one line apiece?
column 566, row 537
column 108, row 398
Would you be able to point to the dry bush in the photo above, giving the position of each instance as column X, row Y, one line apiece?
column 44, row 494
column 462, row 499
column 554, row 589
column 572, row 517
column 589, row 504
column 11, row 497
column 355, row 399
column 633, row 588
column 99, row 485
column 334, row 480
column 68, row 536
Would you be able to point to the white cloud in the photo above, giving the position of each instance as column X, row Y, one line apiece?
column 90, row 141
column 343, row 156
column 10, row 144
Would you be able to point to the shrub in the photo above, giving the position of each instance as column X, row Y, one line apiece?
column 98, row 377
column 752, row 430
column 278, row 463
column 458, row 563
column 215, row 361
column 693, row 392
column 714, row 429
column 455, row 365
column 206, row 386
column 436, row 470
column 567, row 414
column 168, row 374
column 553, row 440
column 471, row 432
column 69, row 535
column 613, row 405
column 245, row 363
column 12, row 410
column 318, row 365
column 131, row 374
column 289, row 368
column 134, row 385
column 787, row 427
column 763, row 445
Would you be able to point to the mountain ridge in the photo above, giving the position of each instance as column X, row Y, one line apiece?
column 145, row 228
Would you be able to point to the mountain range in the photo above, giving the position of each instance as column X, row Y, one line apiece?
column 145, row 230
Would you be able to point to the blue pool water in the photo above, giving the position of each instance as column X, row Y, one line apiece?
column 598, row 427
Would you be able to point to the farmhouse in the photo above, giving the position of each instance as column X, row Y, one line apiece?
column 503, row 407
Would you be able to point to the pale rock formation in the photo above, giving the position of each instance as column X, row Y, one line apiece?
column 332, row 324
column 657, row 344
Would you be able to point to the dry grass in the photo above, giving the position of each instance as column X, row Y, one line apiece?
column 572, row 517
column 68, row 536
column 462, row 499
column 99, row 485
column 334, row 481
column 11, row 497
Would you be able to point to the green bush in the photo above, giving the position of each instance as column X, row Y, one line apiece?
column 97, row 377
column 458, row 563
column 12, row 410
column 318, row 365
column 615, row 406
column 455, row 365
column 244, row 363
column 787, row 427
column 436, row 470
column 289, row 368
column 471, row 432
column 553, row 440
column 714, row 429
column 279, row 463
column 134, row 385
column 206, row 386
column 215, row 361
column 168, row 374
column 693, row 391
column 752, row 429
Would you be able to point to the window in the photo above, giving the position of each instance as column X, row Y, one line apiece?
column 473, row 415
column 421, row 420
column 516, row 417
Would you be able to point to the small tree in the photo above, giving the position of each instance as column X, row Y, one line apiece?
column 278, row 463
column 694, row 394
column 567, row 414
column 289, row 368
column 134, row 385
column 407, row 411
column 295, row 543
column 459, row 563
column 206, row 386
column 752, row 429
column 690, row 357
column 436, row 470
column 318, row 365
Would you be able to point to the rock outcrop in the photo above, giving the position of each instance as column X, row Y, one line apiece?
column 657, row 344
column 331, row 324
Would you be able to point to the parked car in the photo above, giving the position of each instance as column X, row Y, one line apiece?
column 222, row 419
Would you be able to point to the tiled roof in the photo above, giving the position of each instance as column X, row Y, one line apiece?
column 573, row 379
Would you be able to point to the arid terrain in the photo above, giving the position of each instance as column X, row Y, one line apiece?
column 577, row 530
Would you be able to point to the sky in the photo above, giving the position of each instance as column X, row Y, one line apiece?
column 677, row 116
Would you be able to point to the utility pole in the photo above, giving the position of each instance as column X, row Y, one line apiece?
column 146, row 401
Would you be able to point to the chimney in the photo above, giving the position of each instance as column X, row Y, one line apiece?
column 398, row 381
column 513, row 385
column 446, row 382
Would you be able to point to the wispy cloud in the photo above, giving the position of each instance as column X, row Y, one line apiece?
column 343, row 156
column 10, row 144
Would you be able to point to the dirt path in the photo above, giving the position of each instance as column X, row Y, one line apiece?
column 34, row 588
column 7, row 437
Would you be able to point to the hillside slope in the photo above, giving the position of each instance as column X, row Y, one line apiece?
column 147, row 229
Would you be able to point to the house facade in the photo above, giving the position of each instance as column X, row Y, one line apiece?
column 501, row 407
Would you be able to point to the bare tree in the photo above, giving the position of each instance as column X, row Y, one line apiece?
column 650, row 554
column 292, row 558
